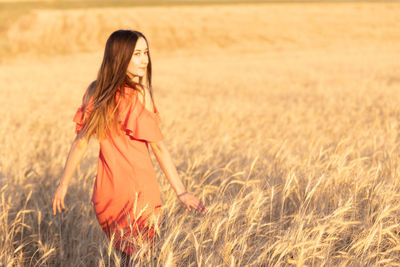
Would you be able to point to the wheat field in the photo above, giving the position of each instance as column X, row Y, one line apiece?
column 282, row 117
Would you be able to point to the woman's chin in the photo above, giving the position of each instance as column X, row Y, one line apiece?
column 137, row 75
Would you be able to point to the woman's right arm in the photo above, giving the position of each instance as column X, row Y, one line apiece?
column 78, row 149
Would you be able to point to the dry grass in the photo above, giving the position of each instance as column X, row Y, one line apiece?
column 178, row 29
column 283, row 118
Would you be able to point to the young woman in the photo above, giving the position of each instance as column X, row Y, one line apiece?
column 118, row 110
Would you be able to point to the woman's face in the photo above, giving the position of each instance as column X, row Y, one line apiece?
column 138, row 64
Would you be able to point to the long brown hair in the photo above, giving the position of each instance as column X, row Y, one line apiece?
column 111, row 79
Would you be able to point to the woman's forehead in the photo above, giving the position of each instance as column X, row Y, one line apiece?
column 141, row 44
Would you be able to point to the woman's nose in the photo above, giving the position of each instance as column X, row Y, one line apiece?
column 145, row 59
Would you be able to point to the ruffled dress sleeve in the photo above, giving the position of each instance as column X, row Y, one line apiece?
column 82, row 114
column 137, row 121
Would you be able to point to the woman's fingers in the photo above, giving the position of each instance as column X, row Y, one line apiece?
column 191, row 201
column 57, row 205
column 63, row 204
column 54, row 207
column 58, row 199
column 200, row 207
column 187, row 206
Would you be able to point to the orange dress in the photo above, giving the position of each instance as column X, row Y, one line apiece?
column 126, row 195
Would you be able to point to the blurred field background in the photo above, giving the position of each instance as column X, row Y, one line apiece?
column 282, row 117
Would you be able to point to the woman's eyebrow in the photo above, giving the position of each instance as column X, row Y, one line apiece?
column 142, row 50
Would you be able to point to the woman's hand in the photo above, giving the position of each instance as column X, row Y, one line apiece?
column 58, row 198
column 190, row 200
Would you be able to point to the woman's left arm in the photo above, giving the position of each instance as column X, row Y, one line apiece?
column 168, row 167
column 77, row 151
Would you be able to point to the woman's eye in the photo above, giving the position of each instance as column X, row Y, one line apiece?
column 138, row 54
